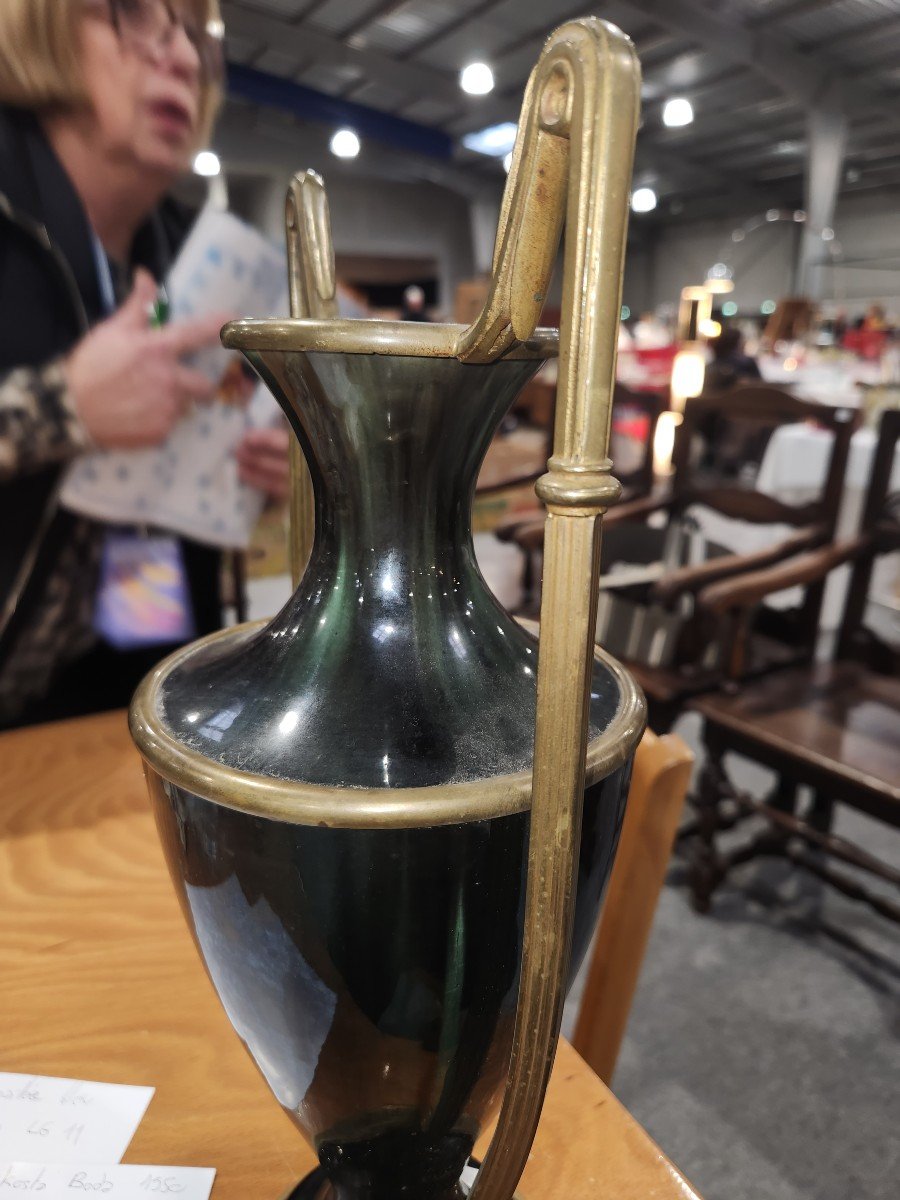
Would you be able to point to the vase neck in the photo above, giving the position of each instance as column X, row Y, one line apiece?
column 394, row 445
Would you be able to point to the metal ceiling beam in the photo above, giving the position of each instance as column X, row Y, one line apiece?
column 306, row 42
column 451, row 27
column 793, row 73
column 846, row 37
column 736, row 42
column 248, row 138
column 799, row 8
column 369, row 18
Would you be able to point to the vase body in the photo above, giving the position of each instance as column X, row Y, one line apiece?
column 372, row 972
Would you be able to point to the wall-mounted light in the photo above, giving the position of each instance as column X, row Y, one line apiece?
column 345, row 143
column 477, row 79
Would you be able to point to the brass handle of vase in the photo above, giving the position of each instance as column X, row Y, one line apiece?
column 311, row 280
column 574, row 148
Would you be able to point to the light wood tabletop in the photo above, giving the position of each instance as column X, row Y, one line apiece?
column 100, row 980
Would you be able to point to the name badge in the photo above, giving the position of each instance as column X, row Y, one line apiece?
column 143, row 597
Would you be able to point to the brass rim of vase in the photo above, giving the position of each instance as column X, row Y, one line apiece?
column 361, row 808
column 413, row 339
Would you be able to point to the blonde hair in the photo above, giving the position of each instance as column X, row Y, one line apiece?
column 39, row 65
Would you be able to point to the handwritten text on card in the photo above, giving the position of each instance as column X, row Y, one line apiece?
column 57, row 1182
column 48, row 1120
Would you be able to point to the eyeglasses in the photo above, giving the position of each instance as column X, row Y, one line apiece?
column 150, row 26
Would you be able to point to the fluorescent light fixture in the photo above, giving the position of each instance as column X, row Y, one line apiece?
column 496, row 140
column 206, row 163
column 677, row 111
column 643, row 199
column 477, row 79
column 344, row 143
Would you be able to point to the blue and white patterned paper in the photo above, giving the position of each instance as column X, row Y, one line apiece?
column 190, row 483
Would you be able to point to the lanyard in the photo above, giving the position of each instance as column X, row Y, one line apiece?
column 104, row 276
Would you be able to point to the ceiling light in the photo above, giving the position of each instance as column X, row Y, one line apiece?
column 207, row 163
column 677, row 111
column 477, row 79
column 643, row 199
column 345, row 143
column 507, row 161
column 495, row 140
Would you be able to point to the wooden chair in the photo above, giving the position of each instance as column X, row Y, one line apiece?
column 706, row 652
column 833, row 727
column 662, row 769
column 635, row 417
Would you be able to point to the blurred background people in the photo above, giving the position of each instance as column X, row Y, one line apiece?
column 103, row 104
column 730, row 364
column 413, row 308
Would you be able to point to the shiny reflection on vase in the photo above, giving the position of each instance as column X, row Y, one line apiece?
column 372, row 974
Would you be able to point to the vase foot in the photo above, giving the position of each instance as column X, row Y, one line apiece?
column 314, row 1186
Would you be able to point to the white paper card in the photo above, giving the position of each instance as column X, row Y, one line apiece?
column 190, row 484
column 130, row 1182
column 48, row 1120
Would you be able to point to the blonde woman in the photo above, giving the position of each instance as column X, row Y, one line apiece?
column 102, row 105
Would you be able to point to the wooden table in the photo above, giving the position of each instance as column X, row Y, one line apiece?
column 100, row 980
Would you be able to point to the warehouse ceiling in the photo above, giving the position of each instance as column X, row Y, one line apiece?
column 750, row 68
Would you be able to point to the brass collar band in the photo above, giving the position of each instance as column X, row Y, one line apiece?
column 361, row 808
column 411, row 339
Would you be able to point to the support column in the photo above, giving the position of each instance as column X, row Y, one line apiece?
column 826, row 129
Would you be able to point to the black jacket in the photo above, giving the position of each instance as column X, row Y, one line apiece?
column 49, row 297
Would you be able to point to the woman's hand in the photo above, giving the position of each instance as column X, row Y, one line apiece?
column 126, row 379
column 262, row 458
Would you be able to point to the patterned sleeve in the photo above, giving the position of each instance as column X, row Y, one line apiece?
column 38, row 422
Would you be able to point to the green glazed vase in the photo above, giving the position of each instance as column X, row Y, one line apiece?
column 371, row 970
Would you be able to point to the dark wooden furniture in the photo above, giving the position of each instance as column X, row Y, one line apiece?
column 833, row 727
column 659, row 782
column 635, row 417
column 717, row 452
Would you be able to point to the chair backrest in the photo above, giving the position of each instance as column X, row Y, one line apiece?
column 880, row 527
column 724, row 434
column 659, row 782
column 634, row 420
